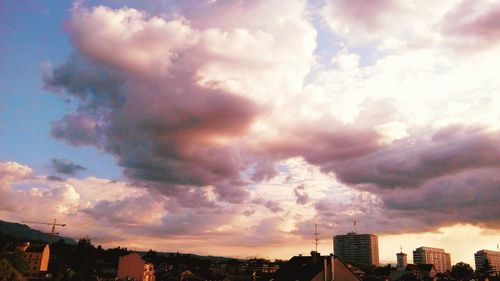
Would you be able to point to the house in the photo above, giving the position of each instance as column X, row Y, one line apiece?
column 132, row 267
column 315, row 268
column 424, row 271
column 421, row 272
column 36, row 256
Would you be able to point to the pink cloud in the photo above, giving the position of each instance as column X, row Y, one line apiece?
column 181, row 104
column 473, row 24
column 361, row 21
column 410, row 163
column 151, row 91
column 469, row 197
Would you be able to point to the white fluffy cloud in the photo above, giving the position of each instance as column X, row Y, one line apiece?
column 229, row 129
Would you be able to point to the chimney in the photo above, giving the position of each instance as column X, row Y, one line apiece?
column 315, row 257
column 332, row 261
column 325, row 269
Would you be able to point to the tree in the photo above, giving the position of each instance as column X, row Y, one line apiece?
column 461, row 271
column 408, row 277
column 8, row 272
column 486, row 269
column 16, row 260
column 84, row 260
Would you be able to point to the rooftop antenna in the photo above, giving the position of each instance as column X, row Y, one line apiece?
column 316, row 236
column 401, row 249
column 354, row 228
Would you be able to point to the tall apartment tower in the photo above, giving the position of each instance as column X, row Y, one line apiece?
column 357, row 249
column 402, row 261
column 493, row 258
column 438, row 257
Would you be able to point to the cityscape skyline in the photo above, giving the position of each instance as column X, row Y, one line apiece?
column 233, row 127
column 364, row 251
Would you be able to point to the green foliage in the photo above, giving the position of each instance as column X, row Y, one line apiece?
column 461, row 271
column 16, row 260
column 487, row 269
column 443, row 276
column 408, row 277
column 8, row 271
column 83, row 261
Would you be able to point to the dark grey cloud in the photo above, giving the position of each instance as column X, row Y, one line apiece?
column 54, row 178
column 273, row 206
column 165, row 133
column 419, row 184
column 322, row 144
column 411, row 162
column 302, row 197
column 67, row 167
column 470, row 197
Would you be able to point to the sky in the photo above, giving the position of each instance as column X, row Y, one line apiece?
column 232, row 127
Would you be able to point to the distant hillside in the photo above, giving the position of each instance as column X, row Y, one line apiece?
column 212, row 258
column 23, row 231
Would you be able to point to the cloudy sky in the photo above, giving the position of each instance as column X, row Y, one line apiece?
column 232, row 127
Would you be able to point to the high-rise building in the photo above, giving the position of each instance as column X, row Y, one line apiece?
column 438, row 257
column 493, row 258
column 357, row 249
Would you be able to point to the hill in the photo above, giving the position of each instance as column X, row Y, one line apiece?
column 210, row 258
column 22, row 231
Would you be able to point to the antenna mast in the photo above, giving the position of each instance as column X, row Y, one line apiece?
column 316, row 236
column 354, row 227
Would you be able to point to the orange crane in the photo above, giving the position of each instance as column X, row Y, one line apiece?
column 53, row 224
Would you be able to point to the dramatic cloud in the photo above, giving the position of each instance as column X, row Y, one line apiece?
column 471, row 25
column 10, row 172
column 469, row 197
column 230, row 130
column 152, row 91
column 64, row 166
column 392, row 24
column 329, row 144
column 412, row 162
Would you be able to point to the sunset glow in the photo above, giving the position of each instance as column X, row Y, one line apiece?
column 231, row 128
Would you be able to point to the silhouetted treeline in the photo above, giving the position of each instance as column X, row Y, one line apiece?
column 84, row 262
column 80, row 262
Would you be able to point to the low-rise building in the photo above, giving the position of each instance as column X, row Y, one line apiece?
column 36, row 256
column 420, row 271
column 315, row 268
column 133, row 268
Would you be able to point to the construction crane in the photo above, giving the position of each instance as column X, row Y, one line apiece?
column 53, row 224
